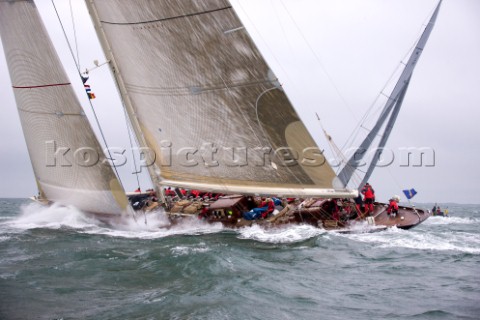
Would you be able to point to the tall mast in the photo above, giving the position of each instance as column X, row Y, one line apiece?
column 152, row 168
column 385, row 136
column 395, row 101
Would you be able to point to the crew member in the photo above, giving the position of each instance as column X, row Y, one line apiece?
column 358, row 205
column 270, row 207
column 393, row 207
column 369, row 197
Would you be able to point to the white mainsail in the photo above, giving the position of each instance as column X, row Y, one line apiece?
column 67, row 159
column 203, row 99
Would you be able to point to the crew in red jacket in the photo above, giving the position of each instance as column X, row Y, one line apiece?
column 270, row 207
column 369, row 197
column 393, row 207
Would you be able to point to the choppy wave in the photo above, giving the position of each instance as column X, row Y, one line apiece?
column 435, row 241
column 184, row 250
column 150, row 226
column 451, row 220
column 288, row 234
column 156, row 225
column 156, row 228
column 76, row 260
column 53, row 217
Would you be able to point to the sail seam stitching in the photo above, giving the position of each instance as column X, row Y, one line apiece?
column 169, row 18
column 181, row 90
column 53, row 113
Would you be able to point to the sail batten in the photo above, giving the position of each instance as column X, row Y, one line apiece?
column 42, row 85
column 204, row 101
column 168, row 18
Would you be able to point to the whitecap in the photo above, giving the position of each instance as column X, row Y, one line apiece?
column 156, row 225
column 184, row 250
column 451, row 220
column 287, row 234
column 399, row 238
column 150, row 226
column 53, row 217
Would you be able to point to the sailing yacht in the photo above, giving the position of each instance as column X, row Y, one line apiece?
column 198, row 94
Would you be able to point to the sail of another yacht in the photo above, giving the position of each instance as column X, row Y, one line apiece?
column 390, row 112
column 67, row 158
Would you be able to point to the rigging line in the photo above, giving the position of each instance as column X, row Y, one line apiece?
column 105, row 141
column 368, row 113
column 356, row 179
column 75, row 34
column 319, row 61
column 423, row 29
column 392, row 112
column 281, row 26
column 90, row 101
column 329, row 139
column 333, row 146
column 401, row 64
column 272, row 52
column 129, row 131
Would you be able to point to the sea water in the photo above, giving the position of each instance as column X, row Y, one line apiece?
column 58, row 263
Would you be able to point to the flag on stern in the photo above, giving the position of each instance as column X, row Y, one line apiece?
column 410, row 193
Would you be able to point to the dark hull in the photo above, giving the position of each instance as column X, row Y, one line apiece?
column 229, row 212
column 406, row 218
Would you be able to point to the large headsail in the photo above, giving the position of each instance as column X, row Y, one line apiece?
column 67, row 159
column 205, row 102
column 390, row 112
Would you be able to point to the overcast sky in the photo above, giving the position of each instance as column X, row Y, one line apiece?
column 333, row 58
